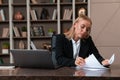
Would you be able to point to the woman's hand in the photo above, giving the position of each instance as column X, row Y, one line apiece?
column 79, row 61
column 105, row 62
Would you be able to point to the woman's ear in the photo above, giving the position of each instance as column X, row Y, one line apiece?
column 74, row 25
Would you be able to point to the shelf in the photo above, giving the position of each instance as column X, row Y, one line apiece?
column 6, row 21
column 41, row 37
column 81, row 3
column 65, row 20
column 4, row 5
column 19, row 21
column 41, row 21
column 67, row 3
column 19, row 5
column 20, row 37
column 44, row 4
column 4, row 38
column 4, row 55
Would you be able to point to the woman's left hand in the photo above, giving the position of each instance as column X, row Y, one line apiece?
column 105, row 62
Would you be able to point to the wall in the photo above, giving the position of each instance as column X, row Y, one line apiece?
column 105, row 15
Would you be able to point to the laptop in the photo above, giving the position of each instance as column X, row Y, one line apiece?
column 33, row 59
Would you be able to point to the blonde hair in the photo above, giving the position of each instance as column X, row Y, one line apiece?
column 70, row 33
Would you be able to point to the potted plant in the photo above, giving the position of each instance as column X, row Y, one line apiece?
column 5, row 48
column 24, row 31
column 50, row 32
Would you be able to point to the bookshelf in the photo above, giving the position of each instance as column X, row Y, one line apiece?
column 4, row 27
column 40, row 17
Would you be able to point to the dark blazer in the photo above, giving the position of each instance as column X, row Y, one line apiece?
column 63, row 50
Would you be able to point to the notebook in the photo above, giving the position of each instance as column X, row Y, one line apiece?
column 34, row 59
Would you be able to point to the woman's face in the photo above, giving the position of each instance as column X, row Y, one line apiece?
column 82, row 28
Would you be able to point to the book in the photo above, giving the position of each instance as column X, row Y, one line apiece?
column 54, row 14
column 64, row 15
column 33, row 45
column 33, row 14
column 16, row 31
column 21, row 45
column 5, row 32
column 67, row 14
column 2, row 15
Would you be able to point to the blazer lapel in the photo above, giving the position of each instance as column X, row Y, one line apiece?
column 83, row 49
column 68, row 48
column 71, row 48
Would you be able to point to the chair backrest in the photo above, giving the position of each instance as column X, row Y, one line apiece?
column 1, row 61
column 53, row 44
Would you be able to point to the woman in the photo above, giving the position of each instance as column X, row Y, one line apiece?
column 72, row 47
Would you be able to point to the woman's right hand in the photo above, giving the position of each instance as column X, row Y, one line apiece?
column 79, row 61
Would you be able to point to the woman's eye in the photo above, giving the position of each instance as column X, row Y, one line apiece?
column 82, row 26
column 88, row 30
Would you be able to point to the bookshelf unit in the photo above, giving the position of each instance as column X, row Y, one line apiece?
column 4, row 24
column 31, row 11
column 46, row 23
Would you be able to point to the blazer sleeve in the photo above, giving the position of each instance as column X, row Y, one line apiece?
column 95, row 51
column 59, row 51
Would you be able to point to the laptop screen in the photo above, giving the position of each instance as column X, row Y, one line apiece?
column 33, row 58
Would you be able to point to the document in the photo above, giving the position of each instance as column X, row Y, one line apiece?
column 92, row 63
column 111, row 60
column 6, row 67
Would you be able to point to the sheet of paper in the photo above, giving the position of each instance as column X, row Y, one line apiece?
column 93, row 64
column 111, row 60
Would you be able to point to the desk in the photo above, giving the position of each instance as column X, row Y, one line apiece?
column 64, row 73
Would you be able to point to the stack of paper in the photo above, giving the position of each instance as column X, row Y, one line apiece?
column 92, row 63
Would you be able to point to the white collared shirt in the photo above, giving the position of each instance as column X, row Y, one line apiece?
column 76, row 48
